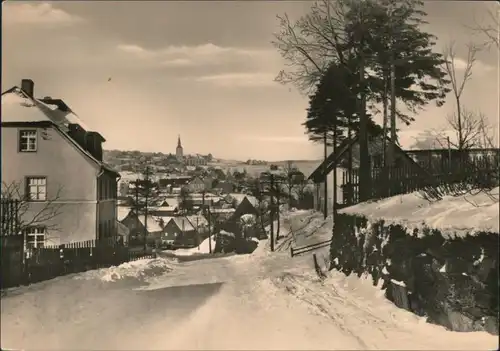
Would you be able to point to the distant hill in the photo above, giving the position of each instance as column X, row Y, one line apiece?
column 305, row 166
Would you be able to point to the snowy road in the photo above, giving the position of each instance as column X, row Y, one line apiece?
column 259, row 301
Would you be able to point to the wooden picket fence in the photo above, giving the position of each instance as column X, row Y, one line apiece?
column 20, row 267
column 408, row 178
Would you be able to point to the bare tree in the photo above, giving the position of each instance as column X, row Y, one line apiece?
column 292, row 178
column 491, row 31
column 451, row 66
column 472, row 130
column 20, row 213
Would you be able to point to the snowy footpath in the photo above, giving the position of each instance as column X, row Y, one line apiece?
column 260, row 301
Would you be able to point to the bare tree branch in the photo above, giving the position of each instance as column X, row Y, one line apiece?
column 473, row 131
column 30, row 214
column 463, row 122
column 491, row 32
column 310, row 44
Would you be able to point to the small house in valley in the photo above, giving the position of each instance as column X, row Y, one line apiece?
column 137, row 226
column 166, row 207
column 179, row 231
column 196, row 185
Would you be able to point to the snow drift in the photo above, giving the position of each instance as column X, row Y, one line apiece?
column 138, row 270
column 451, row 215
column 203, row 248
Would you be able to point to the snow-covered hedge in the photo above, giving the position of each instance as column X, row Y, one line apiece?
column 453, row 280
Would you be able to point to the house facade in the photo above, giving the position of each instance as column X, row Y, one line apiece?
column 55, row 164
column 179, row 231
column 347, row 184
column 196, row 185
column 137, row 226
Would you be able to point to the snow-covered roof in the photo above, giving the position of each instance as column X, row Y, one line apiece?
column 165, row 219
column 122, row 212
column 183, row 223
column 152, row 226
column 17, row 106
column 198, row 220
column 222, row 210
column 226, row 233
column 173, row 202
column 240, row 197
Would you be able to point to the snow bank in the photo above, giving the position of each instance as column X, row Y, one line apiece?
column 360, row 309
column 203, row 248
column 457, row 215
column 139, row 270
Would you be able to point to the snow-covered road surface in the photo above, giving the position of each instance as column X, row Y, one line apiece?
column 259, row 301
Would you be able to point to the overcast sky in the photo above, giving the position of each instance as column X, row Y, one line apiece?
column 203, row 70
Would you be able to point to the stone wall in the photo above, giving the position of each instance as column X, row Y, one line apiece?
column 451, row 280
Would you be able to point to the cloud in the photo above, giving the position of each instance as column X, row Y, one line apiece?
column 239, row 79
column 478, row 67
column 198, row 55
column 40, row 14
column 132, row 49
column 275, row 139
column 178, row 62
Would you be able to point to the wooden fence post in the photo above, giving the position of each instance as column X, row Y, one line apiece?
column 62, row 268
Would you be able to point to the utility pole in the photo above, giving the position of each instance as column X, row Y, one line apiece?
column 198, row 233
column 278, row 202
column 136, row 203
column 272, row 211
column 146, row 184
column 334, row 208
column 290, row 183
column 325, row 204
column 209, row 230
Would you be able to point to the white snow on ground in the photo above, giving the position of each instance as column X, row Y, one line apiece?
column 267, row 301
column 140, row 270
column 451, row 215
column 203, row 248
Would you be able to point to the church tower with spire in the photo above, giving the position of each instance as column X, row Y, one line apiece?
column 178, row 151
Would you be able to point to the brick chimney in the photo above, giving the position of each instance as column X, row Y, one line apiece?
column 28, row 86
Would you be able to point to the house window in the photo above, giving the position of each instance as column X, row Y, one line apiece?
column 35, row 237
column 27, row 140
column 37, row 188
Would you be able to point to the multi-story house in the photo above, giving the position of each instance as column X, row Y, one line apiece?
column 55, row 163
column 196, row 185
